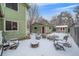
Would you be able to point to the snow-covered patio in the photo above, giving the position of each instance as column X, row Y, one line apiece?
column 46, row 48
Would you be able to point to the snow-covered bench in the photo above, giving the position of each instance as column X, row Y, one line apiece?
column 11, row 44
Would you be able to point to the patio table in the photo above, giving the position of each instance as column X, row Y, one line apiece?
column 34, row 44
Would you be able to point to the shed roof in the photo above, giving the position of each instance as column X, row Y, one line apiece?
column 62, row 26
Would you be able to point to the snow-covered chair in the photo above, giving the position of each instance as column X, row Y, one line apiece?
column 50, row 38
column 38, row 36
column 58, row 46
column 43, row 35
column 64, row 43
column 13, row 44
column 67, row 45
column 53, row 37
column 5, row 46
column 65, row 37
column 10, row 44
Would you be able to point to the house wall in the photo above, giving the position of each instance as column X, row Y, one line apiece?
column 38, row 30
column 17, row 16
column 48, row 29
column 1, row 20
column 1, row 24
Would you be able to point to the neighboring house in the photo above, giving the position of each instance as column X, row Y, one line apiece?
column 41, row 26
column 62, row 28
column 14, row 22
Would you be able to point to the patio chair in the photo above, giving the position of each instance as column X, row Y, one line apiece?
column 10, row 44
column 67, row 45
column 43, row 35
column 13, row 44
column 5, row 46
column 54, row 40
column 50, row 38
column 58, row 47
column 38, row 36
column 65, row 38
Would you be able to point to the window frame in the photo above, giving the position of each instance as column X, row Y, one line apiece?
column 13, row 9
column 11, row 30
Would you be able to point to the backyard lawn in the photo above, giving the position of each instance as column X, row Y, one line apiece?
column 46, row 47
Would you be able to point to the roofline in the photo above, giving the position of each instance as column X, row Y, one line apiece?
column 62, row 26
column 27, row 5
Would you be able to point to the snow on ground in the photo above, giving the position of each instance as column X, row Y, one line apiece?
column 46, row 48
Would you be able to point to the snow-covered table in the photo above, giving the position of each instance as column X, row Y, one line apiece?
column 34, row 44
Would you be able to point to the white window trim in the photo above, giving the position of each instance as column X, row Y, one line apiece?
column 12, row 9
column 11, row 30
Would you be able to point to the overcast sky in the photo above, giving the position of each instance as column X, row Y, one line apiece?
column 47, row 10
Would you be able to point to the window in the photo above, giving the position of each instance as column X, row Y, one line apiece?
column 35, row 27
column 11, row 25
column 49, row 27
column 13, row 6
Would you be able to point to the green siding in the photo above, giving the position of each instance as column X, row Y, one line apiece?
column 47, row 28
column 38, row 28
column 18, row 16
column 1, row 20
column 1, row 24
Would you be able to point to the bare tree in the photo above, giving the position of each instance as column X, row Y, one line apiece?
column 64, row 18
column 33, row 14
column 76, row 10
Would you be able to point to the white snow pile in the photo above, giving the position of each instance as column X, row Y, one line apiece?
column 46, row 48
